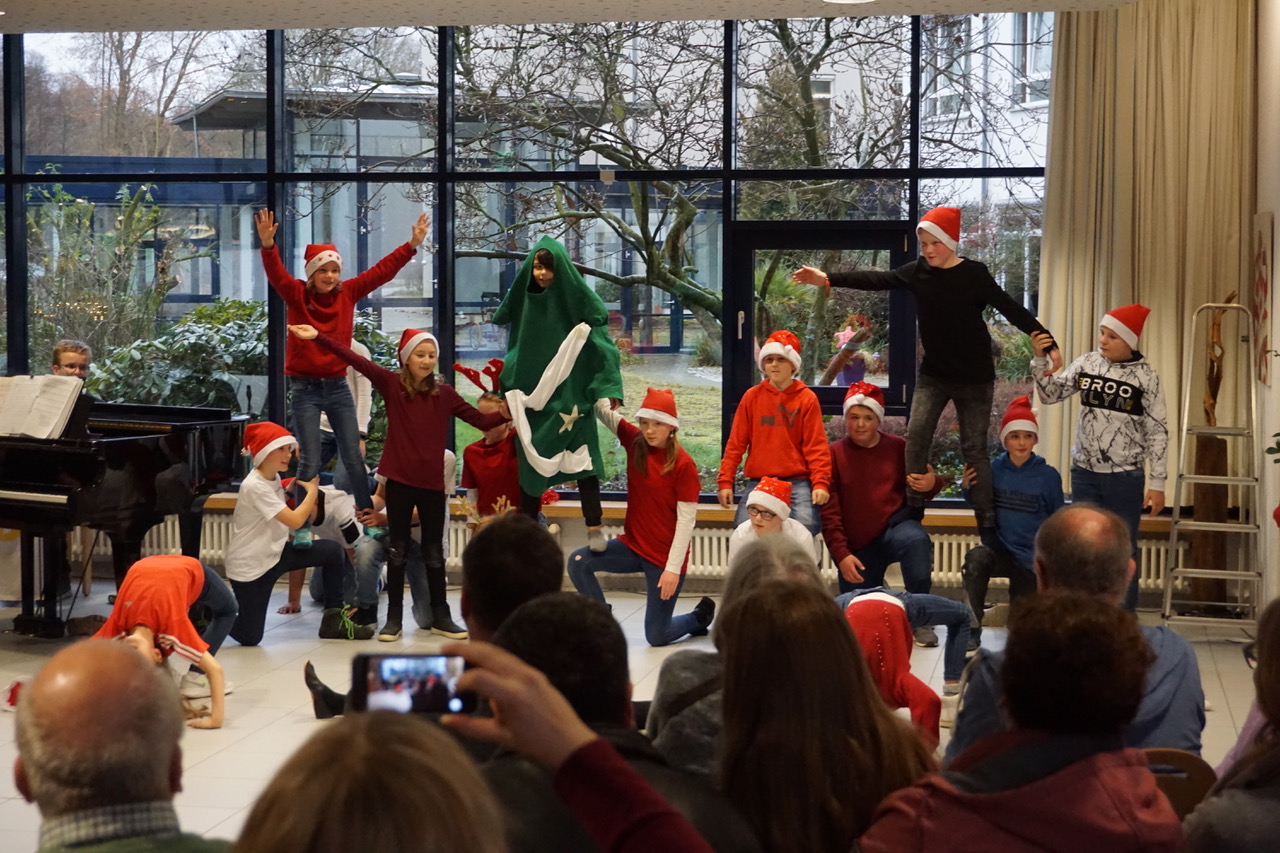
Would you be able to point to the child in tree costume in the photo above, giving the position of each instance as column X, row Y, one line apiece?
column 560, row 361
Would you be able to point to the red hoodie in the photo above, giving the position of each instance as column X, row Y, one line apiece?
column 784, row 432
column 1106, row 802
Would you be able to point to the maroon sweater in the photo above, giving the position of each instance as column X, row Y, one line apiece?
column 416, row 429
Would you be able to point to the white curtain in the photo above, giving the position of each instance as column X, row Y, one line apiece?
column 1150, row 181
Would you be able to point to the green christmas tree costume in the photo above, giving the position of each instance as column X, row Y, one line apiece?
column 560, row 360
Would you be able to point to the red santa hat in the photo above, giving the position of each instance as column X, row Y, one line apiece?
column 865, row 394
column 409, row 340
column 943, row 223
column 319, row 254
column 772, row 494
column 659, row 405
column 262, row 438
column 1127, row 322
column 781, row 343
column 1019, row 416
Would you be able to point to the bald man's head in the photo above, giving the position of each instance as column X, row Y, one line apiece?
column 98, row 726
column 1085, row 548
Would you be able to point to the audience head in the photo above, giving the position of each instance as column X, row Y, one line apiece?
column 578, row 645
column 770, row 558
column 509, row 561
column 1074, row 664
column 1085, row 548
column 98, row 726
column 380, row 782
column 71, row 358
column 801, row 714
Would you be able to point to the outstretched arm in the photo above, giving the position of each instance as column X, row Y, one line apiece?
column 217, row 694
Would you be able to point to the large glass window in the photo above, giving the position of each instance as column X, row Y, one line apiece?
column 144, row 102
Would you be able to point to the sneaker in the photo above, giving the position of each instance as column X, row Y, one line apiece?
column 595, row 539
column 950, row 706
column 391, row 631
column 302, row 538
column 336, row 624
column 442, row 623
column 704, row 611
column 951, row 688
column 195, row 685
column 365, row 615
column 926, row 637
column 377, row 534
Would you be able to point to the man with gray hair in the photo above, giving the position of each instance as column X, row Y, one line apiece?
column 1086, row 548
column 97, row 732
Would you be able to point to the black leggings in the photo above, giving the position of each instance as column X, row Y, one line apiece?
column 588, row 494
column 402, row 500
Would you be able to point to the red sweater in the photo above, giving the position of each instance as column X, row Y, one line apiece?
column 416, row 429
column 784, row 432
column 868, row 485
column 650, row 525
column 884, row 635
column 494, row 472
column 332, row 313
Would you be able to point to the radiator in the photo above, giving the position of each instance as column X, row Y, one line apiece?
column 708, row 551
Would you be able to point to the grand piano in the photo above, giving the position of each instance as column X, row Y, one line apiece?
column 131, row 466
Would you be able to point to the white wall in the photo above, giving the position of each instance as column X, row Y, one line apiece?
column 1268, row 189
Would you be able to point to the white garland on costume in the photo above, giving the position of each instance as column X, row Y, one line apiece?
column 557, row 371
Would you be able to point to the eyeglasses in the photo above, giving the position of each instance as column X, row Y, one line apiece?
column 1251, row 655
column 756, row 512
column 75, row 367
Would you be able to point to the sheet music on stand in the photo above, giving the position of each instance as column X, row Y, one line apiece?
column 37, row 406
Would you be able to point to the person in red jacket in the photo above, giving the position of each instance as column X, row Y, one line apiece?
column 778, row 425
column 1061, row 780
column 419, row 408
column 318, row 378
column 867, row 524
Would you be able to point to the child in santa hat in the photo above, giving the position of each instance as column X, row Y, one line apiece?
column 490, row 466
column 318, row 379
column 768, row 514
column 951, row 293
column 419, row 407
column 1121, row 425
column 778, row 425
column 261, row 551
column 662, row 504
column 1028, row 490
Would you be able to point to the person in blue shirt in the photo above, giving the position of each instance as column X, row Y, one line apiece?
column 1027, row 491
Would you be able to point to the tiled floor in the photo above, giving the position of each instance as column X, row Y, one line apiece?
column 269, row 714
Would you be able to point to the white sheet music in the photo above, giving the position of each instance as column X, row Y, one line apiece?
column 37, row 406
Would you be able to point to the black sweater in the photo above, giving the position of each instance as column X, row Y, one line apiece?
column 949, row 306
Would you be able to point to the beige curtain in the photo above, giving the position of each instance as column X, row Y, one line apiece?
column 1150, row 181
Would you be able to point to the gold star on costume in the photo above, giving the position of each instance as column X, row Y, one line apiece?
column 569, row 419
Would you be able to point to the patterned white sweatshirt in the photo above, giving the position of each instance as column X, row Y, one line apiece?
column 1122, row 413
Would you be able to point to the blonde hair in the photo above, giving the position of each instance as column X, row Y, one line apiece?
column 68, row 345
column 379, row 782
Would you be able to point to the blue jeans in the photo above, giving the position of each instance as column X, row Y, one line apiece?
column 660, row 627
column 254, row 596
column 362, row 588
column 973, row 413
column 1123, row 493
column 217, row 596
column 802, row 508
column 927, row 611
column 906, row 543
column 309, row 397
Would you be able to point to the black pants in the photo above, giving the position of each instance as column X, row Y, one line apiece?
column 402, row 500
column 983, row 563
column 255, row 596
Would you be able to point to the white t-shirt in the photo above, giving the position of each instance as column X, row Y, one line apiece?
column 257, row 539
column 339, row 511
column 745, row 533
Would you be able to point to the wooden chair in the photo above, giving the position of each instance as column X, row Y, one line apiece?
column 1184, row 777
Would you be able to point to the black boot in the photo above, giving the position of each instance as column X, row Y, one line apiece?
column 392, row 630
column 442, row 623
column 325, row 701
column 336, row 624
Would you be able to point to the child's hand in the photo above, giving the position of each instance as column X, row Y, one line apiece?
column 1055, row 360
column 1155, row 501
column 851, row 569
column 302, row 330
column 668, row 583
column 811, row 275
column 820, row 496
column 205, row 723
column 420, row 229
column 922, row 482
column 1040, row 343
column 310, row 486
column 290, row 607
column 266, row 222
column 726, row 498
column 614, row 404
column 970, row 477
